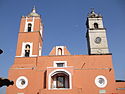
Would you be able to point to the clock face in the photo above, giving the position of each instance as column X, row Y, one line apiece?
column 98, row 40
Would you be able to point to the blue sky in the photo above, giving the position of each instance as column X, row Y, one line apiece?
column 64, row 24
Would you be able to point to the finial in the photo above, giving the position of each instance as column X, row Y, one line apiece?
column 34, row 9
column 92, row 14
column 33, row 12
column 92, row 10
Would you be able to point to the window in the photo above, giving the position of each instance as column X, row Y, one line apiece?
column 22, row 82
column 29, row 27
column 60, row 63
column 60, row 80
column 59, row 51
column 101, row 81
column 95, row 25
column 27, row 50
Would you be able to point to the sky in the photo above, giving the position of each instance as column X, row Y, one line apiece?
column 64, row 24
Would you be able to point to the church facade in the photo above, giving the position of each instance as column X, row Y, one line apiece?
column 60, row 72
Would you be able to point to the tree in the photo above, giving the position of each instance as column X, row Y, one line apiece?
column 5, row 82
column 1, row 51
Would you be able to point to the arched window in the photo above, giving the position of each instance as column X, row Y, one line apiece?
column 60, row 80
column 27, row 50
column 95, row 25
column 29, row 27
column 59, row 51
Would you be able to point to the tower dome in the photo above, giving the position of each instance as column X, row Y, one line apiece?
column 33, row 13
column 92, row 14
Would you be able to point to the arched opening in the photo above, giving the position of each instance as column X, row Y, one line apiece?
column 95, row 25
column 59, row 51
column 27, row 50
column 29, row 27
column 60, row 80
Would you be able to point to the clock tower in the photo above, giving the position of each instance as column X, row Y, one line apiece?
column 96, row 35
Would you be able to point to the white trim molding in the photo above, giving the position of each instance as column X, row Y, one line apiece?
column 101, row 81
column 26, row 24
column 41, row 30
column 40, row 50
column 22, row 82
column 62, row 49
column 30, row 56
column 23, row 48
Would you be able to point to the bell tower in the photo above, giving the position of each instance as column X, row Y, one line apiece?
column 96, row 35
column 30, row 36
